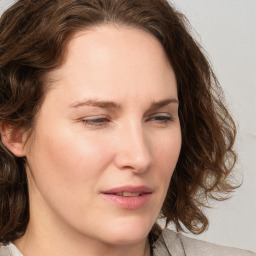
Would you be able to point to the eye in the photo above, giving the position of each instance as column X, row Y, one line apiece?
column 162, row 119
column 96, row 121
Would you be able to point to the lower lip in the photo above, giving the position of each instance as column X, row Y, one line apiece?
column 128, row 202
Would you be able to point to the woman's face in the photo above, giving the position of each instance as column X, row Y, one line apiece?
column 107, row 138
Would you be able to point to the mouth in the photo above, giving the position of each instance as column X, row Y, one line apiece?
column 128, row 197
column 127, row 194
column 129, row 190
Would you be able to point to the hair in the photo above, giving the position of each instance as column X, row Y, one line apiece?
column 33, row 39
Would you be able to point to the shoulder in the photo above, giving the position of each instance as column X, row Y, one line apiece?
column 176, row 244
column 9, row 250
column 4, row 250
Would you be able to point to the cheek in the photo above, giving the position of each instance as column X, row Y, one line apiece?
column 66, row 160
column 166, row 154
column 167, row 148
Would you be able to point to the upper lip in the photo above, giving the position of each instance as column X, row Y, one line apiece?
column 129, row 189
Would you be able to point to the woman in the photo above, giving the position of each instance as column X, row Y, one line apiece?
column 110, row 118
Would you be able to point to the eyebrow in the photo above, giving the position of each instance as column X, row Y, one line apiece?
column 96, row 103
column 162, row 103
column 113, row 105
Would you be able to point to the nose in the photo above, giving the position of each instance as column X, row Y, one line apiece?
column 133, row 150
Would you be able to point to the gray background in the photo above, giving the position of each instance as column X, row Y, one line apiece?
column 227, row 30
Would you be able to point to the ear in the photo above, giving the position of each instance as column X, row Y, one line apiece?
column 13, row 139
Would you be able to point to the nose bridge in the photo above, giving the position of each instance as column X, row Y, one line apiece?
column 134, row 148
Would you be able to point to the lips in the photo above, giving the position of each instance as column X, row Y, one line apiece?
column 128, row 194
column 128, row 197
column 129, row 189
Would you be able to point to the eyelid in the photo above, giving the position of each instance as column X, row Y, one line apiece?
column 101, row 121
column 95, row 117
column 162, row 114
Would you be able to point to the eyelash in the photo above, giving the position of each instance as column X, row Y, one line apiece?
column 161, row 119
column 96, row 121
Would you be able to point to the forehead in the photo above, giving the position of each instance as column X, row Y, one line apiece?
column 108, row 59
column 121, row 36
column 115, row 45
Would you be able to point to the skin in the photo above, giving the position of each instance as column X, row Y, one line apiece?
column 73, row 155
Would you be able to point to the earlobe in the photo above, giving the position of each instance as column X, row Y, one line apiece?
column 13, row 139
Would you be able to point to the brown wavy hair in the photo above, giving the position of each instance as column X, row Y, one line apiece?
column 33, row 38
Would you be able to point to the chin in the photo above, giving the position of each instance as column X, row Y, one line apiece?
column 128, row 231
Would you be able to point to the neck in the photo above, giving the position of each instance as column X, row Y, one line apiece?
column 30, row 244
column 50, row 239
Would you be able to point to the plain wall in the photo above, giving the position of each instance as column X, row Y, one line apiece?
column 227, row 30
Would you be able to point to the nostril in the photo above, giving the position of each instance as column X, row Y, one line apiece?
column 133, row 163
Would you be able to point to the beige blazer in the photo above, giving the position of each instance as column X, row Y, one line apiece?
column 171, row 243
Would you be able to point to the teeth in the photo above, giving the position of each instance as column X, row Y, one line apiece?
column 128, row 194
